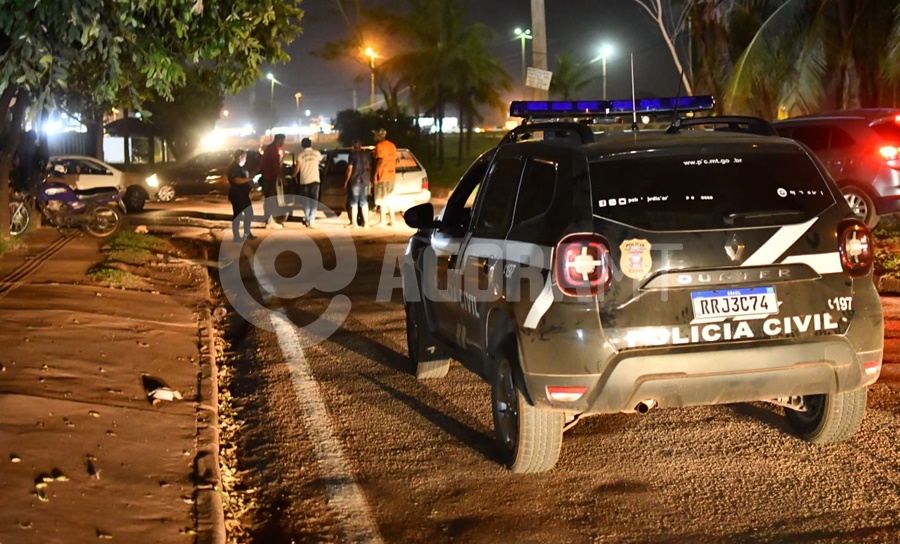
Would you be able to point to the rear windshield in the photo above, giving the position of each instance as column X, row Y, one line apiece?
column 889, row 130
column 708, row 191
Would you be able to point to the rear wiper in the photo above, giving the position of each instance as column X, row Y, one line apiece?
column 732, row 218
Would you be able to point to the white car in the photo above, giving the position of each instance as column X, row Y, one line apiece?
column 83, row 172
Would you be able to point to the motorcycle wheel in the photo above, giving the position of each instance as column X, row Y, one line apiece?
column 103, row 221
column 19, row 217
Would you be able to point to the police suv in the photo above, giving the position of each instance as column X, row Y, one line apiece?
column 584, row 273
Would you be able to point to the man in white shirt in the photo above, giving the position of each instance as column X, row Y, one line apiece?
column 306, row 172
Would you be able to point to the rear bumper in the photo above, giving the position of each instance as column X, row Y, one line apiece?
column 404, row 201
column 714, row 376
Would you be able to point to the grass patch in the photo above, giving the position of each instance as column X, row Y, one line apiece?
column 887, row 247
column 126, row 249
column 448, row 176
column 103, row 273
column 8, row 244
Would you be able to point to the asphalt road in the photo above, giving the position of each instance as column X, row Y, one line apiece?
column 338, row 443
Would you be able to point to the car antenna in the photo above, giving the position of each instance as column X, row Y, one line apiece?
column 675, row 124
column 634, row 124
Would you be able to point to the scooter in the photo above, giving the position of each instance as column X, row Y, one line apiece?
column 97, row 212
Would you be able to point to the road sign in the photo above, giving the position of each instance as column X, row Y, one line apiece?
column 538, row 79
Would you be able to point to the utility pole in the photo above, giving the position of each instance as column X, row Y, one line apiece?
column 539, row 42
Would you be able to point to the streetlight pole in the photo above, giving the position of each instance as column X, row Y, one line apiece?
column 272, row 82
column 371, row 54
column 523, row 35
column 297, row 96
column 605, row 52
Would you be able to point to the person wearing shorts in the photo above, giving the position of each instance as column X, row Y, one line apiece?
column 385, row 175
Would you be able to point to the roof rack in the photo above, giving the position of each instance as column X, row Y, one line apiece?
column 727, row 123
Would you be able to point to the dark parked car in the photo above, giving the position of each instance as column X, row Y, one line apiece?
column 860, row 150
column 582, row 273
column 202, row 174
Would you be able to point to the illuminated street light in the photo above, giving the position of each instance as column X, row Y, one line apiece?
column 273, row 81
column 297, row 96
column 523, row 35
column 605, row 52
column 369, row 52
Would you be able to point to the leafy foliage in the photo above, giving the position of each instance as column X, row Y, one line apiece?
column 91, row 54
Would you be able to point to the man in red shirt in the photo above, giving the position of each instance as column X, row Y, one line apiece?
column 270, row 171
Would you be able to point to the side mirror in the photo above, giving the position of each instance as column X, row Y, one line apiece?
column 420, row 217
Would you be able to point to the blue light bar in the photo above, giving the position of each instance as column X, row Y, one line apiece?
column 595, row 108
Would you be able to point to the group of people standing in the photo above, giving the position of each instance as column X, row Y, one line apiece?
column 378, row 167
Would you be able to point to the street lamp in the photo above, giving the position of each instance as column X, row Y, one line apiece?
column 369, row 52
column 297, row 96
column 605, row 52
column 273, row 81
column 523, row 35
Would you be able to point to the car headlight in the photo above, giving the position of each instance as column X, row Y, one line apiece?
column 152, row 181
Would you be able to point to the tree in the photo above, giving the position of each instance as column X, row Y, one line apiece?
column 814, row 54
column 126, row 51
column 663, row 13
column 569, row 78
column 191, row 114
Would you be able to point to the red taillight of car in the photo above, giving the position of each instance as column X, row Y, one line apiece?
column 424, row 184
column 566, row 393
column 891, row 154
column 582, row 265
column 855, row 247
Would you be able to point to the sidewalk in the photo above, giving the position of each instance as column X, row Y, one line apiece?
column 84, row 455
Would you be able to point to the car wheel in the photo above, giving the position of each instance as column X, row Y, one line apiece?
column 529, row 438
column 862, row 205
column 135, row 198
column 425, row 356
column 829, row 418
column 166, row 193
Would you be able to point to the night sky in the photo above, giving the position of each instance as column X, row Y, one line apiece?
column 575, row 27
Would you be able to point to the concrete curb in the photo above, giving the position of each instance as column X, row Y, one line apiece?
column 208, row 495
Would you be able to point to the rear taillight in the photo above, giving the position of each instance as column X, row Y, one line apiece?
column 582, row 265
column 855, row 247
column 891, row 154
column 424, row 184
column 566, row 393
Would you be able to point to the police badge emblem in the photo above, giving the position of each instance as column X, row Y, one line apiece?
column 636, row 261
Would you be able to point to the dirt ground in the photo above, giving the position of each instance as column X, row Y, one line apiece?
column 84, row 454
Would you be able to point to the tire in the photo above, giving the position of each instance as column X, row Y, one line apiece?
column 529, row 438
column 830, row 418
column 103, row 222
column 135, row 198
column 19, row 217
column 426, row 359
column 166, row 193
column 862, row 205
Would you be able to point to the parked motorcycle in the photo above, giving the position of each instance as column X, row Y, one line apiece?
column 97, row 212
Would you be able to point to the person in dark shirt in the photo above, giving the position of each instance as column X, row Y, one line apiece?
column 239, row 195
column 359, row 172
column 270, row 170
column 28, row 164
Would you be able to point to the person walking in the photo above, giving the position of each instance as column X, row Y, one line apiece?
column 306, row 172
column 239, row 196
column 359, row 171
column 270, row 173
column 385, row 175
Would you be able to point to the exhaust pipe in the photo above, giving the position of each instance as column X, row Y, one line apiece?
column 645, row 406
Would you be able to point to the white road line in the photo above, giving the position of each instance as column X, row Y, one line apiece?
column 344, row 496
